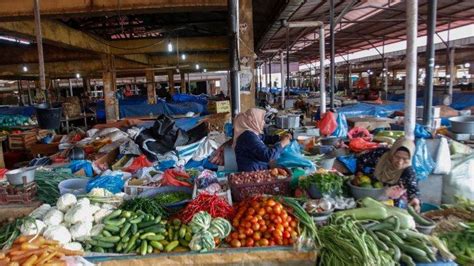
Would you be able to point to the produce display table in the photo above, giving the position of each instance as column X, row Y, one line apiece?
column 227, row 256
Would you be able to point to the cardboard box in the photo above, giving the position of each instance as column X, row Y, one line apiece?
column 436, row 111
column 46, row 149
column 436, row 122
column 217, row 107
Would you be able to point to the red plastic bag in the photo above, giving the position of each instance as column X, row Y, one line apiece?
column 359, row 132
column 360, row 145
column 173, row 177
column 328, row 124
column 138, row 163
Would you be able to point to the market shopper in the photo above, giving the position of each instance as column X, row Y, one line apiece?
column 393, row 168
column 250, row 144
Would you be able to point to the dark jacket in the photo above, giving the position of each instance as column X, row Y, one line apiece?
column 253, row 154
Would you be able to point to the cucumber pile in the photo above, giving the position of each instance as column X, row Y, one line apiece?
column 404, row 245
column 140, row 233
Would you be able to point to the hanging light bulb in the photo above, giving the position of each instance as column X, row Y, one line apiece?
column 197, row 66
column 78, row 75
column 25, row 69
column 183, row 56
column 205, row 70
column 170, row 46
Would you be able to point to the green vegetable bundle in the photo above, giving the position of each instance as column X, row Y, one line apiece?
column 147, row 205
column 172, row 197
column 47, row 183
column 346, row 242
column 461, row 244
column 327, row 182
column 141, row 233
column 10, row 231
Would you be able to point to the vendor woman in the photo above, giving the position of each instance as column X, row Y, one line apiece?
column 250, row 145
column 393, row 168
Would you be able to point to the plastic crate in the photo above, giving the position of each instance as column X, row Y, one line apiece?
column 225, row 195
column 277, row 187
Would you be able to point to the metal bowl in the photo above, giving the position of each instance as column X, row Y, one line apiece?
column 21, row 176
column 462, row 124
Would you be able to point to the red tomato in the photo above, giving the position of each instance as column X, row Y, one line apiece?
column 266, row 216
column 254, row 204
column 242, row 236
column 235, row 243
column 284, row 215
column 264, row 242
column 271, row 202
column 249, row 242
column 285, row 242
column 277, row 209
column 272, row 243
column 279, row 242
column 256, row 227
column 235, row 223
column 263, row 228
column 267, row 235
column 271, row 228
column 294, row 235
column 293, row 224
column 261, row 222
column 277, row 234
column 261, row 211
column 241, row 230
column 254, row 220
column 286, row 234
column 257, row 236
column 269, row 209
column 278, row 220
column 249, row 232
column 272, row 217
column 234, row 235
column 279, row 227
column 289, row 219
column 290, row 241
column 248, row 225
column 251, row 211
column 285, row 224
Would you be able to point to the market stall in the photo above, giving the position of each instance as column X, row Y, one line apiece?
column 131, row 192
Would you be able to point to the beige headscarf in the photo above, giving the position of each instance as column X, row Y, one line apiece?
column 253, row 119
column 385, row 171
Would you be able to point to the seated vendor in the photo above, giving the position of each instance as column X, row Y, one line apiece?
column 393, row 168
column 251, row 150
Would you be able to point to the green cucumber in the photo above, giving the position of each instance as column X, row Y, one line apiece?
column 145, row 235
column 126, row 214
column 108, row 239
column 158, row 229
column 412, row 251
column 134, row 229
column 113, row 214
column 136, row 220
column 115, row 222
column 397, row 240
column 143, row 248
column 158, row 219
column 145, row 224
column 182, row 231
column 112, row 228
column 106, row 233
column 125, row 239
column 157, row 245
column 98, row 249
column 119, row 247
column 184, row 243
column 418, row 218
column 381, row 226
column 396, row 251
column 102, row 244
column 379, row 243
column 131, row 243
column 155, row 237
column 125, row 229
column 149, row 249
column 407, row 260
column 172, row 245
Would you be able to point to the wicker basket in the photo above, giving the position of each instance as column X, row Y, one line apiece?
column 277, row 187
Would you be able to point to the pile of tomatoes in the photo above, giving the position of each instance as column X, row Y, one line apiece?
column 262, row 222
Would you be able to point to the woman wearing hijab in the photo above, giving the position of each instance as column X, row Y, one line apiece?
column 394, row 170
column 250, row 145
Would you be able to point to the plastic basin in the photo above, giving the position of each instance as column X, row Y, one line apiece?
column 362, row 192
column 76, row 186
column 21, row 175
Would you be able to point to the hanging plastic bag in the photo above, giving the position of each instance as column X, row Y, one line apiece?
column 139, row 162
column 349, row 161
column 422, row 161
column 113, row 184
column 174, row 177
column 291, row 157
column 359, row 132
column 328, row 124
column 360, row 145
column 442, row 158
column 77, row 165
column 342, row 127
column 422, row 132
column 460, row 181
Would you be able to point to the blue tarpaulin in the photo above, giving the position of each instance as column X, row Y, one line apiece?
column 461, row 100
column 17, row 110
column 368, row 109
column 183, row 98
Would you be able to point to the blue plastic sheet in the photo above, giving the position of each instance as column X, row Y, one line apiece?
column 113, row 184
column 205, row 164
column 349, row 161
column 367, row 109
column 423, row 163
column 17, row 110
column 77, row 165
column 342, row 127
column 291, row 157
column 183, row 98
column 461, row 100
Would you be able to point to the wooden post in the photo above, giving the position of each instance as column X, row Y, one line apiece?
column 246, row 52
column 171, row 82
column 86, row 83
column 183, row 83
column 150, row 86
column 110, row 87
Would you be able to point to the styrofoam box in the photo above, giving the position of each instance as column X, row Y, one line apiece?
column 436, row 111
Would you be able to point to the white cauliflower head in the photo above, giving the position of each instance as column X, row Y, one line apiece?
column 53, row 217
column 83, row 201
column 66, row 201
column 81, row 230
column 100, row 214
column 32, row 227
column 73, row 246
column 58, row 233
column 78, row 213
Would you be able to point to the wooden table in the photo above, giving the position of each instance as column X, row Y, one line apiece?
column 222, row 256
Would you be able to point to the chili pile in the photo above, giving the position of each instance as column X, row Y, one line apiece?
column 212, row 204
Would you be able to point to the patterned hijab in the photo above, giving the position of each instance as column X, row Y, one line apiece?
column 253, row 120
column 385, row 171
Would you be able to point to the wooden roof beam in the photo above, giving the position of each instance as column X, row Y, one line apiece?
column 12, row 10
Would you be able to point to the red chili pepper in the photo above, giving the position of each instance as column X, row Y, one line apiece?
column 212, row 204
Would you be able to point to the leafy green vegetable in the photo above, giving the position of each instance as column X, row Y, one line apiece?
column 172, row 197
column 147, row 205
column 47, row 183
column 327, row 182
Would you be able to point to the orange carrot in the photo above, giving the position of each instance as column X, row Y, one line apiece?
column 30, row 261
column 47, row 258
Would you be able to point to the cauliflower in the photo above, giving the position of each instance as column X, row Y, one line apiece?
column 100, row 214
column 53, row 217
column 81, row 230
column 73, row 246
column 94, row 208
column 32, row 228
column 97, row 229
column 66, row 201
column 83, row 201
column 40, row 212
column 58, row 233
column 79, row 213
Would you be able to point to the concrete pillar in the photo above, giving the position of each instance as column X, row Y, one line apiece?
column 110, row 88
column 183, row 82
column 150, row 86
column 411, row 68
column 246, row 52
column 452, row 74
column 86, row 83
column 171, row 82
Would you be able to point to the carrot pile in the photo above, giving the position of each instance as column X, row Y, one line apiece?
column 31, row 250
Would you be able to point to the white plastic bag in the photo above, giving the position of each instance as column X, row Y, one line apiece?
column 442, row 158
column 460, row 181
